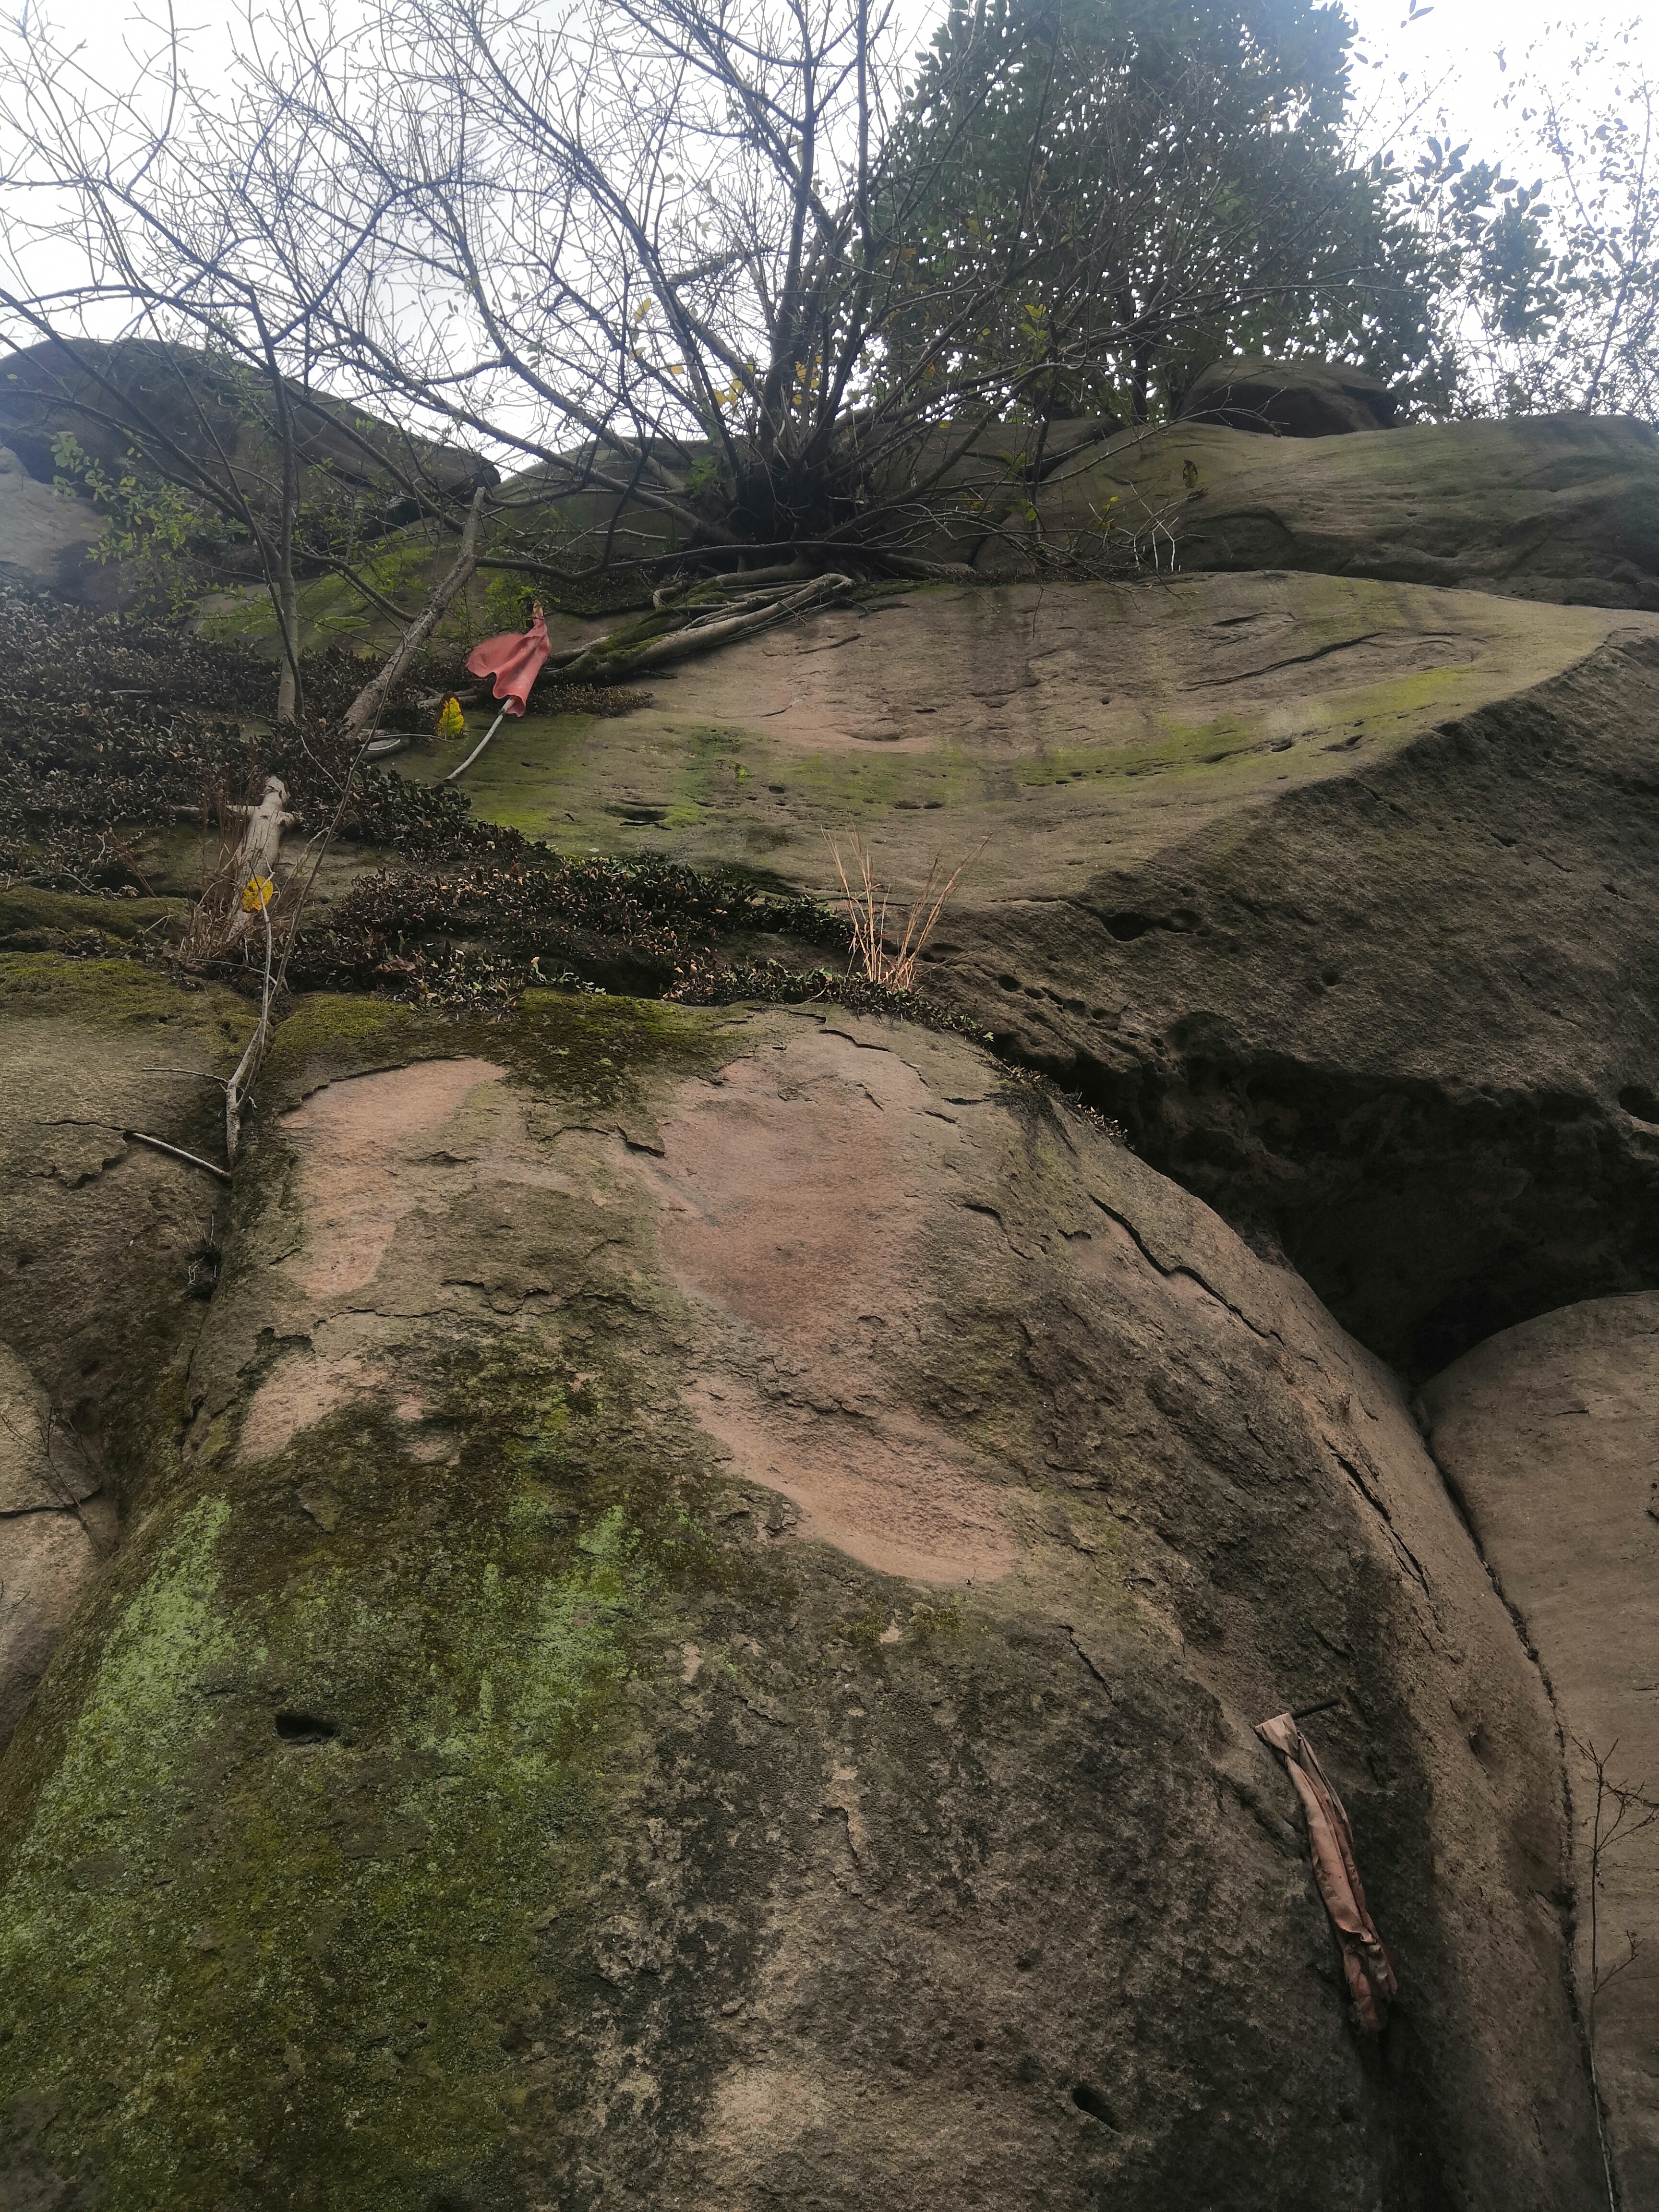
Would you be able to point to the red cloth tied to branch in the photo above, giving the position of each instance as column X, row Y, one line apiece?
column 514, row 661
column 1365, row 1962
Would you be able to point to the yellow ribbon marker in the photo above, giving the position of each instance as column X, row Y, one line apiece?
column 452, row 723
column 257, row 893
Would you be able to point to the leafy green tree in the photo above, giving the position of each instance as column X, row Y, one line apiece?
column 150, row 526
column 1175, row 181
column 1549, row 292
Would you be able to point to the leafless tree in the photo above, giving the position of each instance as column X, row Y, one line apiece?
column 661, row 254
column 680, row 264
column 680, row 258
column 160, row 220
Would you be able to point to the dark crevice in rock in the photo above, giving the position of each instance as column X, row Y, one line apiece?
column 305, row 1728
column 1427, row 1221
column 1368, row 1492
column 1191, row 1273
column 1400, row 1034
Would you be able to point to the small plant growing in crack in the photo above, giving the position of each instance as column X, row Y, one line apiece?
column 202, row 1279
column 1619, row 1812
column 892, row 966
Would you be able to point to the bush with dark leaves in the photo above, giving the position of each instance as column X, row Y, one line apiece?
column 104, row 724
column 644, row 925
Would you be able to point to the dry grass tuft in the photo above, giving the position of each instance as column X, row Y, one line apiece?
column 892, row 966
column 207, row 929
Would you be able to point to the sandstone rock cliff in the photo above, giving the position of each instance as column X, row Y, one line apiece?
column 1547, row 1434
column 697, row 1644
column 683, row 1626
column 1331, row 892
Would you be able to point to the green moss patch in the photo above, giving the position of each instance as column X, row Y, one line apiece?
column 277, row 1905
column 28, row 913
column 120, row 994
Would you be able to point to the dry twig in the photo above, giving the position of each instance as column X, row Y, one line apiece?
column 68, row 1498
column 1622, row 1810
column 174, row 1152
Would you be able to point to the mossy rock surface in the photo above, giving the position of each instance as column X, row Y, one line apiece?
column 1070, row 725
column 35, row 921
column 1561, row 507
column 686, row 1621
column 1332, row 891
column 108, row 1248
column 694, row 1639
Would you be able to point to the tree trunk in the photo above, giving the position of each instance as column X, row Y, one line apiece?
column 290, row 701
column 288, row 625
column 366, row 707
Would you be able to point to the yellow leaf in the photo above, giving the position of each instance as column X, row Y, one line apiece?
column 452, row 723
column 257, row 893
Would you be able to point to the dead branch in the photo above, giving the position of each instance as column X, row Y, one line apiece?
column 611, row 657
column 369, row 703
column 248, row 1065
column 255, row 859
column 363, row 716
column 1621, row 1811
column 175, row 1151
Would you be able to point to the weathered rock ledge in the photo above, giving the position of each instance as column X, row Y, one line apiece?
column 1331, row 892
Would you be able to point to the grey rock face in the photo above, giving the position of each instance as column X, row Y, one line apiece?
column 1555, row 507
column 1549, row 1435
column 764, row 1708
column 1289, row 399
column 42, row 537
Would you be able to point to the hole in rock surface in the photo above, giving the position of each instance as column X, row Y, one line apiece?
column 305, row 1728
column 1088, row 2099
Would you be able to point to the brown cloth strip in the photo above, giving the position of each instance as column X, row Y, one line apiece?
column 1367, row 1964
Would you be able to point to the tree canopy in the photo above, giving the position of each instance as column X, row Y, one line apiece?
column 1179, row 176
column 727, row 282
column 1549, row 290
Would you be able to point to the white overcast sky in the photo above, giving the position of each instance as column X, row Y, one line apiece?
column 1451, row 54
column 1442, row 60
column 1453, row 44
